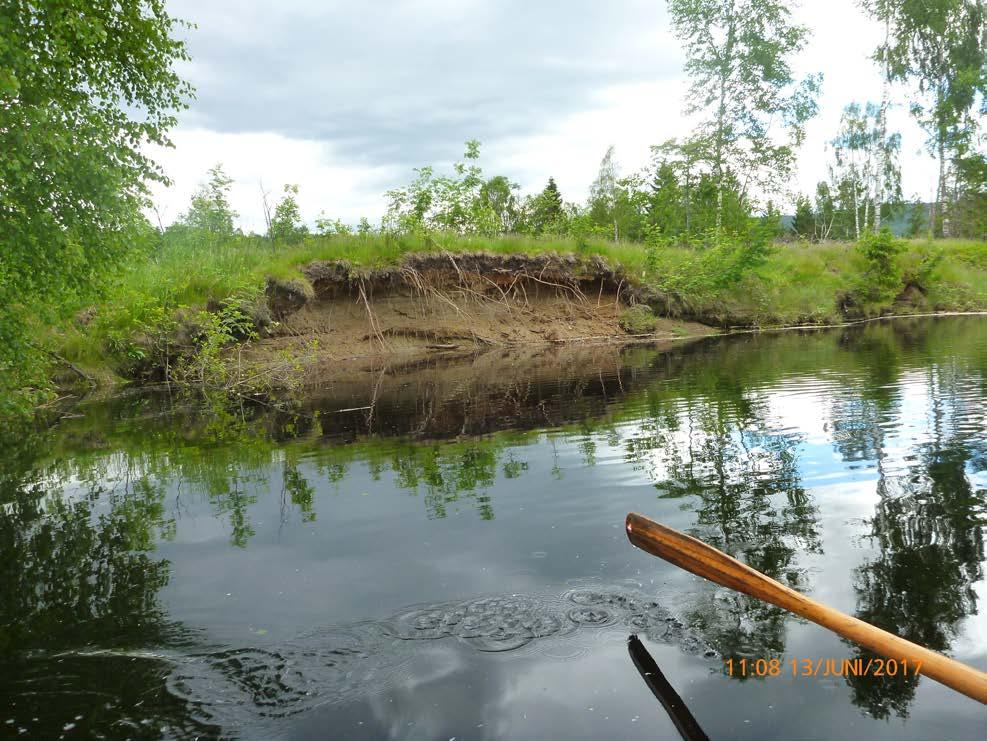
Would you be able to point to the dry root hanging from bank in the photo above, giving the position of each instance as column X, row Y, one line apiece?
column 455, row 302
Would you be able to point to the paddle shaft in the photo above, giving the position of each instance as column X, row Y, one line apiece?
column 703, row 560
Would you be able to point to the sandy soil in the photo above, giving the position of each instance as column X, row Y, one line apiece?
column 405, row 326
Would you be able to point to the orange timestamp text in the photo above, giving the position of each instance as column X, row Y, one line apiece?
column 822, row 667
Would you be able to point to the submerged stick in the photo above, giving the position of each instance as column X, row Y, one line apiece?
column 684, row 722
column 703, row 560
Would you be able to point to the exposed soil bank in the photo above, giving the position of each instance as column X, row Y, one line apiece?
column 428, row 305
column 458, row 304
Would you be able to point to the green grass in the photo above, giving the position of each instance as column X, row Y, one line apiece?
column 798, row 283
column 382, row 251
column 802, row 283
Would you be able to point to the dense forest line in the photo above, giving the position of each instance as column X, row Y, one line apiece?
column 84, row 89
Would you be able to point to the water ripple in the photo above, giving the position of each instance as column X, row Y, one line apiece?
column 235, row 686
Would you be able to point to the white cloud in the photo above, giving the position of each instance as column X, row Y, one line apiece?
column 345, row 191
column 344, row 102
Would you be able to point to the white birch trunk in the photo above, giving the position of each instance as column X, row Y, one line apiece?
column 942, row 189
column 882, row 154
column 721, row 113
column 856, row 210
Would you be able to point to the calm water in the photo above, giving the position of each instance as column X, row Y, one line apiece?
column 439, row 552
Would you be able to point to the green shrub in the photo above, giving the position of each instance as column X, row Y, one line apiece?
column 638, row 319
column 920, row 265
column 881, row 280
column 717, row 260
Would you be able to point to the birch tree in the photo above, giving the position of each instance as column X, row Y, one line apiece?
column 454, row 203
column 866, row 161
column 286, row 222
column 85, row 87
column 880, row 9
column 940, row 45
column 210, row 209
column 603, row 193
column 739, row 59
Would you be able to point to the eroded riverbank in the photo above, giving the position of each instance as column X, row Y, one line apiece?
column 336, row 315
column 337, row 318
column 462, row 304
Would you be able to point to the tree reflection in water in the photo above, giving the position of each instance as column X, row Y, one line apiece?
column 928, row 530
column 78, row 575
column 79, row 569
column 743, row 480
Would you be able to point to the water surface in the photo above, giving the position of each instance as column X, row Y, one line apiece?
column 438, row 552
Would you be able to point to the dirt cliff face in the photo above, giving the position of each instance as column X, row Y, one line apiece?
column 455, row 303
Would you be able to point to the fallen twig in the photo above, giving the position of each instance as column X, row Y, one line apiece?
column 69, row 364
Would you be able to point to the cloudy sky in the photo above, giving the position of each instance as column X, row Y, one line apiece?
column 344, row 98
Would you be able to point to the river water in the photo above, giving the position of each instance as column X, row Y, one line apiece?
column 438, row 551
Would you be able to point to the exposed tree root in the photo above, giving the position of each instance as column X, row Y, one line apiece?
column 374, row 326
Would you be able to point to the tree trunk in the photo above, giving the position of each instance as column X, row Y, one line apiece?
column 941, row 189
column 267, row 210
column 726, row 68
column 940, row 226
column 856, row 211
column 688, row 199
column 719, row 204
column 882, row 154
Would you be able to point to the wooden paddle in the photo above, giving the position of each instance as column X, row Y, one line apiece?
column 703, row 560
